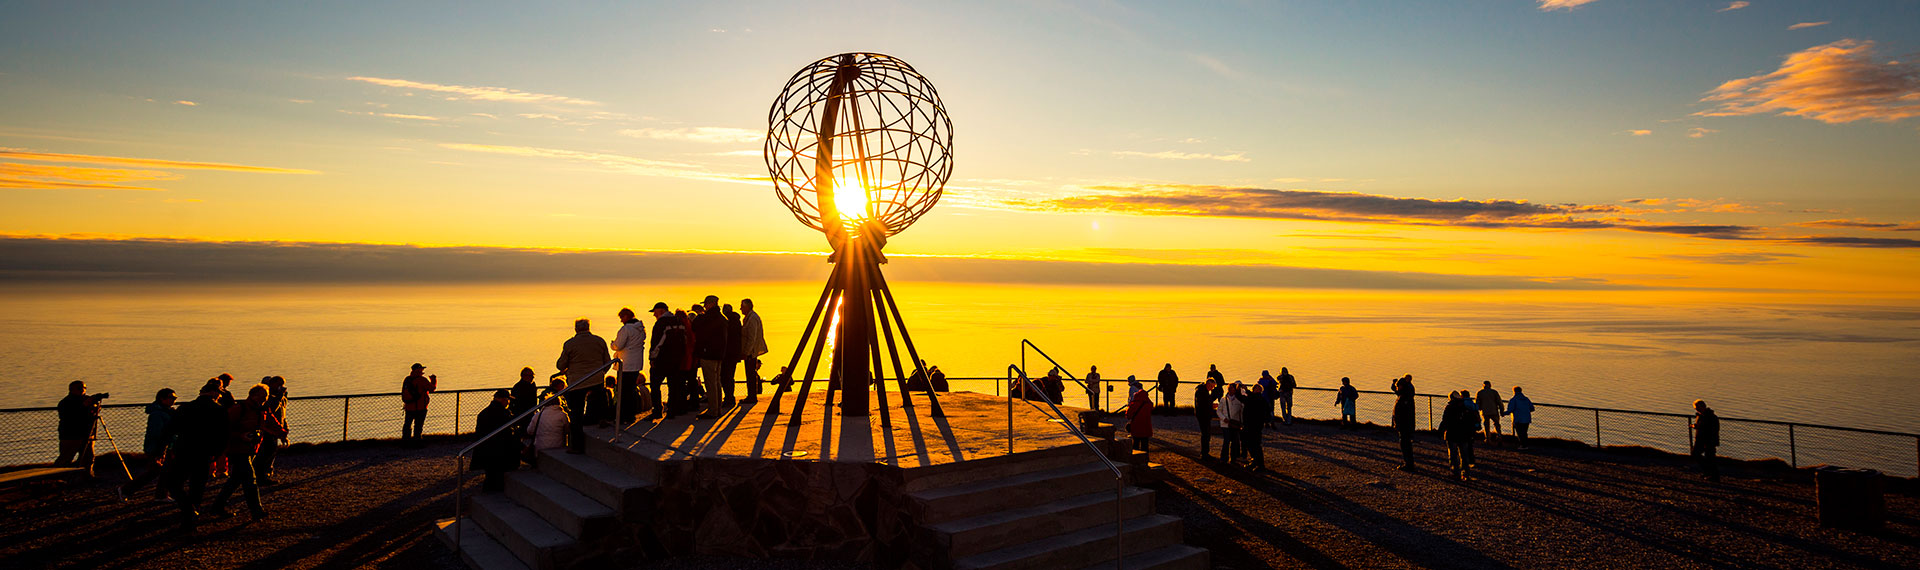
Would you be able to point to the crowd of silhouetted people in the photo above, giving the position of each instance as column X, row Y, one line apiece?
column 694, row 357
column 212, row 436
column 1241, row 413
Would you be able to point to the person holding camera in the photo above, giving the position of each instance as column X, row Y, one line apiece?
column 78, row 413
column 416, row 391
column 248, row 423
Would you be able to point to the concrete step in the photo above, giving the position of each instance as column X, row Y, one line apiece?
column 1148, row 474
column 1000, row 529
column 635, row 455
column 613, row 487
column 991, row 468
column 1079, row 549
column 566, row 509
column 537, row 544
column 478, row 549
column 935, row 506
column 1174, row 557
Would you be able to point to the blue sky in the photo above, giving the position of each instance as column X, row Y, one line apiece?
column 510, row 124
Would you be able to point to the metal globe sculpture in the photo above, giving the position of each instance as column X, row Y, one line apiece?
column 859, row 147
column 859, row 143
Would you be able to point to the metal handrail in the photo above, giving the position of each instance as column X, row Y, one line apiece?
column 1119, row 478
column 1024, row 344
column 460, row 462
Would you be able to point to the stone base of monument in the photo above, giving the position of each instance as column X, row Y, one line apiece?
column 904, row 491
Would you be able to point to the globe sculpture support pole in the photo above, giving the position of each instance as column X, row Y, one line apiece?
column 859, row 147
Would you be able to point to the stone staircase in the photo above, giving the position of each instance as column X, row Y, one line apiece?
column 1052, row 509
column 566, row 513
column 1049, row 509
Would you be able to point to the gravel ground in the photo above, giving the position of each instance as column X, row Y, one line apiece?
column 1332, row 501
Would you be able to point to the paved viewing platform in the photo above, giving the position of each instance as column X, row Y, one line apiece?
column 1332, row 501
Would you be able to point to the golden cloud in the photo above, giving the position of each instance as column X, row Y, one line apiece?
column 476, row 93
column 63, row 177
column 1549, row 5
column 24, row 154
column 1840, row 82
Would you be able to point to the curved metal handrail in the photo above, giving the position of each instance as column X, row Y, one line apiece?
column 1024, row 344
column 459, row 459
column 1014, row 372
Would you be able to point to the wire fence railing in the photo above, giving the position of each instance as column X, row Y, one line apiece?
column 27, row 434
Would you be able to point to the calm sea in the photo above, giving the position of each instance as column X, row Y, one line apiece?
column 1753, row 356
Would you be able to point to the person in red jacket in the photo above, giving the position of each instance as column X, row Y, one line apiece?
column 1139, row 414
column 415, row 392
column 248, row 422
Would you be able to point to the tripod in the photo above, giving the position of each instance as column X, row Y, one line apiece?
column 97, row 422
column 856, row 292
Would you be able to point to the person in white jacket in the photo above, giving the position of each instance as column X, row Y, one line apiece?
column 1232, row 418
column 753, row 343
column 548, row 428
column 630, row 346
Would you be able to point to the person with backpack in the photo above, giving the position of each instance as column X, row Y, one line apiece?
column 1348, row 399
column 416, row 390
column 1706, row 437
column 1458, row 426
column 1521, row 408
column 1285, row 396
column 1403, row 421
column 1488, row 400
column 1204, row 397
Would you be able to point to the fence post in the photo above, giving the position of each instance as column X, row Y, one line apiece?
column 1793, row 450
column 1430, row 413
column 456, row 412
column 1596, row 428
column 346, row 409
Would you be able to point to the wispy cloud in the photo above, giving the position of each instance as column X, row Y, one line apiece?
column 1177, row 155
column 24, row 154
column 611, row 162
column 1550, row 5
column 476, row 93
column 1864, row 225
column 1849, row 241
column 186, row 103
column 1262, row 203
column 394, row 115
column 82, row 173
column 1640, row 132
column 1668, row 205
column 700, row 134
column 1840, row 82
column 1805, row 25
column 63, row 177
column 1700, row 132
column 1730, row 257
column 1215, row 65
column 1735, row 6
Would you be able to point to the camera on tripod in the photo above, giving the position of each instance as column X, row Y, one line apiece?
column 98, row 397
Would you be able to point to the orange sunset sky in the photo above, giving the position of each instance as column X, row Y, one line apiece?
column 1690, row 145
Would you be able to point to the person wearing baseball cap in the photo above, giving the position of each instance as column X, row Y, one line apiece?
column 415, row 392
column 501, row 452
column 669, row 354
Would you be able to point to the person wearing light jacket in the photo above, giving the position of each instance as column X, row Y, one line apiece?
column 550, row 424
column 753, row 344
column 630, row 346
column 1233, row 413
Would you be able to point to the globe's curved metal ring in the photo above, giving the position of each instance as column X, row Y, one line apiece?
column 889, row 135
